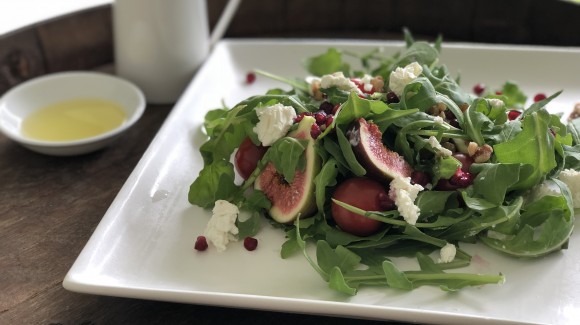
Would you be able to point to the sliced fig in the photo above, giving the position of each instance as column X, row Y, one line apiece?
column 296, row 198
column 378, row 160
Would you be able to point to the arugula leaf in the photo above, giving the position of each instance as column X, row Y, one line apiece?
column 356, row 107
column 348, row 153
column 494, row 180
column 444, row 84
column 432, row 203
column 287, row 155
column 326, row 63
column 543, row 227
column 515, row 97
column 395, row 278
column 533, row 146
column 325, row 178
column 420, row 52
column 574, row 130
column 215, row 182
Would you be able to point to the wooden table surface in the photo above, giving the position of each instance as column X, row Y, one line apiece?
column 49, row 206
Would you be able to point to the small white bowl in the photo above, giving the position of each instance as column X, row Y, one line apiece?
column 28, row 97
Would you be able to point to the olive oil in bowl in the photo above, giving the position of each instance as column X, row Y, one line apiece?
column 73, row 120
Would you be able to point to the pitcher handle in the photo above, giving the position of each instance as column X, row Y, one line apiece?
column 223, row 22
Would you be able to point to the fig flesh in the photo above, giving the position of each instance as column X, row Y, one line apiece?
column 371, row 153
column 296, row 198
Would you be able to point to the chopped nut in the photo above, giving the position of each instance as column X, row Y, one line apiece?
column 315, row 89
column 483, row 154
column 378, row 84
column 449, row 146
column 438, row 109
column 464, row 107
column 472, row 148
column 479, row 154
column 575, row 113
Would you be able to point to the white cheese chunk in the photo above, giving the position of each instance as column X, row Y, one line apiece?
column 274, row 122
column 339, row 81
column 404, row 194
column 572, row 179
column 401, row 77
column 447, row 253
column 221, row 228
column 444, row 152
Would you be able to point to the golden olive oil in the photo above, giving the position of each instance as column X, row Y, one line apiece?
column 73, row 120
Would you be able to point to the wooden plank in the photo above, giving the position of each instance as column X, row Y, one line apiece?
column 78, row 41
column 20, row 58
column 48, row 210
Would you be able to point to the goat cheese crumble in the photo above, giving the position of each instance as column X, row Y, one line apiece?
column 447, row 253
column 221, row 228
column 403, row 193
column 572, row 179
column 339, row 81
column 401, row 77
column 444, row 152
column 274, row 122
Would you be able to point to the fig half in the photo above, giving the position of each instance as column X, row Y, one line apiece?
column 371, row 153
column 296, row 198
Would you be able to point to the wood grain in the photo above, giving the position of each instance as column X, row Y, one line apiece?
column 78, row 41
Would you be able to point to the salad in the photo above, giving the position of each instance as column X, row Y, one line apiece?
column 392, row 159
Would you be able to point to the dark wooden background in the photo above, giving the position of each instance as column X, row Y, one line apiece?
column 49, row 206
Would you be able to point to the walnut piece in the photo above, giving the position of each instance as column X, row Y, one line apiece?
column 479, row 154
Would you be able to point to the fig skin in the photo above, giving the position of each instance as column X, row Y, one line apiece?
column 297, row 198
column 371, row 153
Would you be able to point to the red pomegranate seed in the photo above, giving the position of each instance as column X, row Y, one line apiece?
column 250, row 243
column 539, row 97
column 419, row 177
column 315, row 131
column 327, row 107
column 320, row 118
column 513, row 114
column 335, row 109
column 329, row 120
column 300, row 116
column 392, row 98
column 250, row 78
column 461, row 179
column 478, row 89
column 498, row 92
column 200, row 243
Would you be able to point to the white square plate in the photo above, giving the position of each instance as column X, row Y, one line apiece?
column 143, row 247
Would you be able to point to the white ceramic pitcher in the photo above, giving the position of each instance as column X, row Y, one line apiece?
column 159, row 44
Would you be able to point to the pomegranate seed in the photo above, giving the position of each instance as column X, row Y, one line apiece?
column 335, row 109
column 513, row 114
column 300, row 116
column 329, row 120
column 539, row 97
column 451, row 118
column 419, row 177
column 250, row 78
column 498, row 92
column 250, row 243
column 320, row 118
column 327, row 107
column 478, row 89
column 392, row 98
column 200, row 243
column 461, row 179
column 315, row 131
